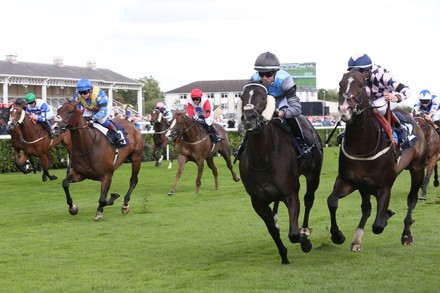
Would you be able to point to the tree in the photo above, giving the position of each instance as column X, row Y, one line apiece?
column 328, row 95
column 150, row 91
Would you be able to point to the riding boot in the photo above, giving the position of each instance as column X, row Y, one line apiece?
column 47, row 127
column 214, row 134
column 117, row 135
column 303, row 146
column 240, row 149
column 402, row 129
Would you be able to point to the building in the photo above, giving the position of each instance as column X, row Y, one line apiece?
column 56, row 82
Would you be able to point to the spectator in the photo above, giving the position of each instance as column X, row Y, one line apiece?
column 231, row 122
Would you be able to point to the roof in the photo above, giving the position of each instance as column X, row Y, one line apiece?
column 212, row 86
column 63, row 72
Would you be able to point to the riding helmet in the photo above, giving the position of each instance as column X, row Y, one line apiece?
column 267, row 62
column 425, row 95
column 19, row 102
column 84, row 85
column 30, row 98
column 196, row 93
column 359, row 60
column 160, row 105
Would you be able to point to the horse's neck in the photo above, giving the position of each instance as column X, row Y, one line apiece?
column 83, row 137
column 194, row 131
column 263, row 144
column 160, row 126
column 362, row 130
column 30, row 130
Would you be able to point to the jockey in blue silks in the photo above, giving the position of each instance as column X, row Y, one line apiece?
column 93, row 102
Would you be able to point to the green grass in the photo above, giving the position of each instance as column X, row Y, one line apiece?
column 211, row 242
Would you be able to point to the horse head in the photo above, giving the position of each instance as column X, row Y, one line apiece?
column 156, row 116
column 182, row 124
column 257, row 107
column 353, row 96
column 68, row 117
column 4, row 114
column 17, row 117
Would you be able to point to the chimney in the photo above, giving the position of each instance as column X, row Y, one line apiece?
column 58, row 61
column 91, row 64
column 12, row 58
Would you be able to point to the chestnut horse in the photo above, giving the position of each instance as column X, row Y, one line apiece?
column 370, row 162
column 433, row 151
column 33, row 139
column 94, row 157
column 270, row 168
column 160, row 125
column 194, row 144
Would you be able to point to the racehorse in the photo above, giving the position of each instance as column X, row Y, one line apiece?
column 195, row 145
column 270, row 168
column 33, row 139
column 433, row 151
column 160, row 125
column 16, row 140
column 94, row 157
column 370, row 161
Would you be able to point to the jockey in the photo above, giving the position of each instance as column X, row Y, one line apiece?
column 282, row 87
column 382, row 88
column 93, row 102
column 429, row 104
column 167, row 114
column 200, row 108
column 39, row 112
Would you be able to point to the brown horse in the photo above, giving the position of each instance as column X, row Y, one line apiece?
column 94, row 157
column 5, row 109
column 270, row 168
column 160, row 125
column 33, row 139
column 195, row 145
column 433, row 151
column 370, row 162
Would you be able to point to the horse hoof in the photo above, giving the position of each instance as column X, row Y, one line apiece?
column 98, row 216
column 306, row 246
column 44, row 178
column 378, row 229
column 436, row 183
column 422, row 197
column 125, row 209
column 407, row 240
column 356, row 247
column 170, row 192
column 338, row 238
column 53, row 177
column 73, row 210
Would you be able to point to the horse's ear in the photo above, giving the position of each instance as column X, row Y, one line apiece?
column 270, row 108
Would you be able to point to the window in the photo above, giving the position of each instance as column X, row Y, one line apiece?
column 182, row 96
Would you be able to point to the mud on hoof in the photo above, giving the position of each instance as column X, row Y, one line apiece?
column 407, row 240
column 73, row 210
column 356, row 247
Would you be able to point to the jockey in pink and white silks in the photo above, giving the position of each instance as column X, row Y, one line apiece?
column 382, row 87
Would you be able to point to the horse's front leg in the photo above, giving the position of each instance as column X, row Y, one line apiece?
column 266, row 214
column 214, row 170
column 181, row 163
column 200, row 165
column 341, row 189
column 73, row 208
column 106, row 182
column 383, row 213
column 356, row 244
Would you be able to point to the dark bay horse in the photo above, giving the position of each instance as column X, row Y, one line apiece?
column 194, row 144
column 160, row 125
column 33, row 139
column 94, row 157
column 5, row 109
column 370, row 162
column 433, row 150
column 270, row 169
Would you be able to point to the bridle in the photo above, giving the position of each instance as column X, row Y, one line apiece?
column 71, row 120
column 262, row 116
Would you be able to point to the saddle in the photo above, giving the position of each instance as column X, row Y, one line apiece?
column 110, row 135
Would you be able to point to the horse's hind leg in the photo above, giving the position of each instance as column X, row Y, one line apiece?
column 416, row 179
column 226, row 156
column 45, row 164
column 266, row 215
column 135, row 167
column 211, row 166
column 436, row 182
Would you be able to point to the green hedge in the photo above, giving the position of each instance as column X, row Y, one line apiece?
column 59, row 155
